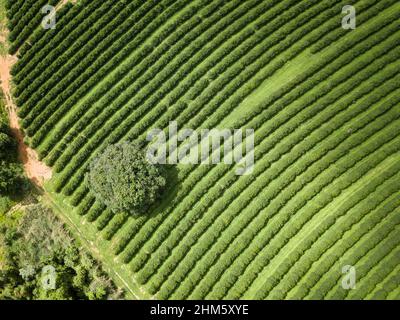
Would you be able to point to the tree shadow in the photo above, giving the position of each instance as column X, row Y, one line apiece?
column 169, row 193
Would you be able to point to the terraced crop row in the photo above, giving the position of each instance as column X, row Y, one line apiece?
column 241, row 200
column 158, row 237
column 324, row 104
column 114, row 132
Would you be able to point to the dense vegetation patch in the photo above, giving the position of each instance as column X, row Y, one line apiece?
column 40, row 260
column 12, row 180
column 33, row 240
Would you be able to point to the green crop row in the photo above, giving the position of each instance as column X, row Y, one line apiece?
column 139, row 100
column 72, row 118
column 325, row 15
column 158, row 238
column 330, row 236
column 323, row 191
column 266, row 177
column 214, row 89
column 363, row 43
column 377, row 231
column 71, row 73
column 30, row 22
column 125, row 235
column 377, row 253
column 40, row 33
column 86, row 106
column 98, row 107
column 81, row 57
column 388, row 285
column 247, row 197
column 30, row 62
column 365, row 11
column 318, row 204
column 114, row 225
column 54, row 66
column 353, row 169
column 85, row 205
column 373, row 271
column 41, row 38
column 129, row 250
column 248, row 76
column 95, row 211
column 80, row 193
column 16, row 13
column 379, row 206
column 14, row 6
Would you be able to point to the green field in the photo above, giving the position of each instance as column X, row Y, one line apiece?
column 325, row 106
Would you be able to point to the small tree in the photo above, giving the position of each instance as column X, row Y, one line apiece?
column 11, row 172
column 11, row 177
column 123, row 179
column 7, row 146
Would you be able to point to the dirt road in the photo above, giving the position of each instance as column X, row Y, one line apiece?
column 35, row 170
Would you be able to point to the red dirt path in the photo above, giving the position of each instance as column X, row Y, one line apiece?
column 35, row 170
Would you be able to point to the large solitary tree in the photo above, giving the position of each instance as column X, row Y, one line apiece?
column 123, row 179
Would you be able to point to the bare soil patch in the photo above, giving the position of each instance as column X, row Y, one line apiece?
column 35, row 170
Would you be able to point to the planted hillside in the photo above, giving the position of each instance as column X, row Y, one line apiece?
column 323, row 101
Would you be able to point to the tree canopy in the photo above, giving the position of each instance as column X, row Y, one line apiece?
column 123, row 179
column 11, row 173
column 35, row 246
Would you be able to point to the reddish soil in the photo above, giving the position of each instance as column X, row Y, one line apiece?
column 35, row 170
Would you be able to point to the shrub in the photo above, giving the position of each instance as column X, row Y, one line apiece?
column 5, row 204
column 11, row 177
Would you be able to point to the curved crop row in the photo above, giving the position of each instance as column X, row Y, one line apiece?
column 159, row 238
